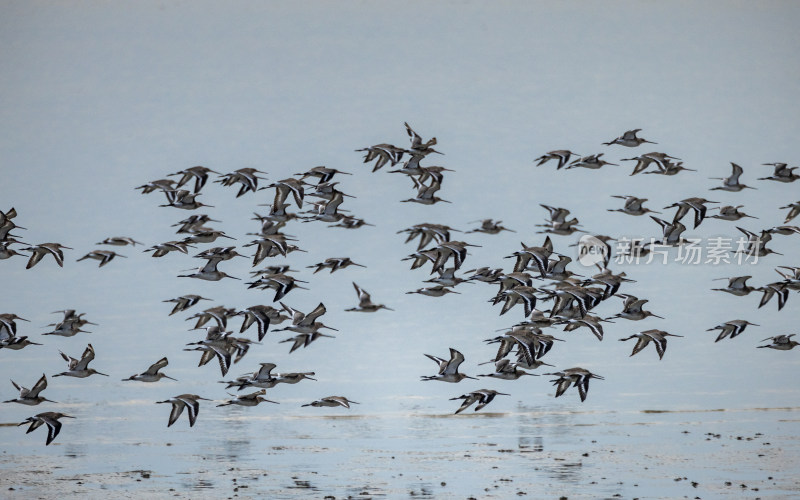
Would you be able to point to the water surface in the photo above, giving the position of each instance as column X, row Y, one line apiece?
column 101, row 98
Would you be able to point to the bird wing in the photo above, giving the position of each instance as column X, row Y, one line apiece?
column 594, row 326
column 53, row 428
column 468, row 400
column 40, row 385
column 733, row 180
column 299, row 341
column 175, row 412
column 211, row 265
column 562, row 384
column 456, row 358
column 86, row 358
column 296, row 189
column 636, row 305
column 583, row 386
column 339, row 400
column 37, row 253
column 439, row 361
column 503, row 366
column 506, row 344
column 634, row 204
column 525, row 347
column 263, row 373
column 262, row 320
column 153, row 369
column 192, row 407
column 641, row 343
column 738, row 282
column 661, row 345
column 224, row 358
column 332, row 206
column 311, row 317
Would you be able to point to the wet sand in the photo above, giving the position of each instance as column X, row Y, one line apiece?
column 100, row 97
column 751, row 453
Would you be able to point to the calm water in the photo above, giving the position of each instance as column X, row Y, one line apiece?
column 95, row 106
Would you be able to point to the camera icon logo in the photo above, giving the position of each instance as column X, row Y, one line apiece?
column 592, row 251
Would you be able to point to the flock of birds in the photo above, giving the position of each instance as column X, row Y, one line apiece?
column 539, row 275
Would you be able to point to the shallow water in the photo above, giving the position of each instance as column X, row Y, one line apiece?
column 531, row 451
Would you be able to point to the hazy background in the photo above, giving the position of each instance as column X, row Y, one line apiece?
column 100, row 97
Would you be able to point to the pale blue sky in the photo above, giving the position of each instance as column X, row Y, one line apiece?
column 100, row 97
